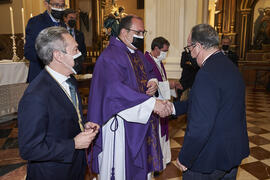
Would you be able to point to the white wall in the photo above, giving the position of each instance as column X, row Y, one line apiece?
column 173, row 20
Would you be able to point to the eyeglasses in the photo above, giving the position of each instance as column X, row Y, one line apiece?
column 138, row 32
column 57, row 5
column 187, row 48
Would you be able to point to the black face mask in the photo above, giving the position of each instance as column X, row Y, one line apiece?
column 78, row 63
column 225, row 47
column 56, row 14
column 137, row 42
column 193, row 61
column 71, row 23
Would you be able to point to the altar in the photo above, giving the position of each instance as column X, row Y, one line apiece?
column 13, row 77
column 256, row 73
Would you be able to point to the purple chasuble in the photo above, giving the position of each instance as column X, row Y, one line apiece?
column 164, row 122
column 118, row 83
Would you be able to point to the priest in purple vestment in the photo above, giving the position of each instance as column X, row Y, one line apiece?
column 159, row 50
column 121, row 102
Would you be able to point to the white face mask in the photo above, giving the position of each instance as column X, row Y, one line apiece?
column 162, row 56
column 74, row 57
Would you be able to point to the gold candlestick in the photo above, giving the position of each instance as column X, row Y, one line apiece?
column 15, row 58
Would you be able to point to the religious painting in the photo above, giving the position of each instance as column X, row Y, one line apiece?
column 261, row 24
column 5, row 1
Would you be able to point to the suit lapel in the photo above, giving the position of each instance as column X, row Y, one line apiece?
column 48, row 19
column 61, row 97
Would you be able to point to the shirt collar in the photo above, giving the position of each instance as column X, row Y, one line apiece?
column 60, row 78
column 204, row 61
column 155, row 59
column 130, row 50
column 68, row 28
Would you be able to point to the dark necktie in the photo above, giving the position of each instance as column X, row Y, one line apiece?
column 72, row 91
column 70, row 32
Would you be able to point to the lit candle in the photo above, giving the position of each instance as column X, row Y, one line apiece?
column 11, row 19
column 23, row 25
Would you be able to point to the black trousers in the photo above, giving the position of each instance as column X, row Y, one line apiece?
column 215, row 175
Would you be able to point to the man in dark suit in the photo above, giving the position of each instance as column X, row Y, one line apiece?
column 189, row 70
column 69, row 18
column 51, row 17
column 216, row 139
column 225, row 48
column 52, row 133
column 69, row 22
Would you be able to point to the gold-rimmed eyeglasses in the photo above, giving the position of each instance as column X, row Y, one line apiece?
column 138, row 32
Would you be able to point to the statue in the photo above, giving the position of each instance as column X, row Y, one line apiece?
column 111, row 23
column 263, row 32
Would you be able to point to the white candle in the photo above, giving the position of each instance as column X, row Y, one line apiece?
column 23, row 25
column 31, row 15
column 11, row 19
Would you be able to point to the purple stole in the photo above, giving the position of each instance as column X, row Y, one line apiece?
column 154, row 159
column 164, row 122
column 119, row 82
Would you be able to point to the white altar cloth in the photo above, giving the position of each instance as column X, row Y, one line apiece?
column 13, row 72
column 13, row 77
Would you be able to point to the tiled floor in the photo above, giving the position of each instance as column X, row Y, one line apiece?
column 256, row 166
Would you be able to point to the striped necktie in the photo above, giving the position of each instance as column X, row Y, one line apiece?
column 72, row 91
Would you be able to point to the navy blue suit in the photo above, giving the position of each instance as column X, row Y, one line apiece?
column 48, row 122
column 216, row 135
column 33, row 28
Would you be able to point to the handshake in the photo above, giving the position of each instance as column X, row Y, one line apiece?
column 163, row 108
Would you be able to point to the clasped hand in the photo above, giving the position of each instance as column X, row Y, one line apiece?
column 163, row 108
column 84, row 139
column 151, row 88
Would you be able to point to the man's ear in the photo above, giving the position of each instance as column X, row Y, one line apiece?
column 199, row 45
column 124, row 31
column 57, row 56
column 46, row 4
column 156, row 48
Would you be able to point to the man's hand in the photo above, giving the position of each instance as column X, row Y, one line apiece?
column 175, row 84
column 84, row 139
column 178, row 85
column 163, row 108
column 180, row 166
column 90, row 126
column 151, row 88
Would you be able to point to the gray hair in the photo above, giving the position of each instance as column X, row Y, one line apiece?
column 49, row 40
column 205, row 35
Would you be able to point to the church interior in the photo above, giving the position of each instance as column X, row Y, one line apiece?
column 245, row 22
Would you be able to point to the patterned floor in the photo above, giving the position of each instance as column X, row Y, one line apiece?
column 256, row 166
